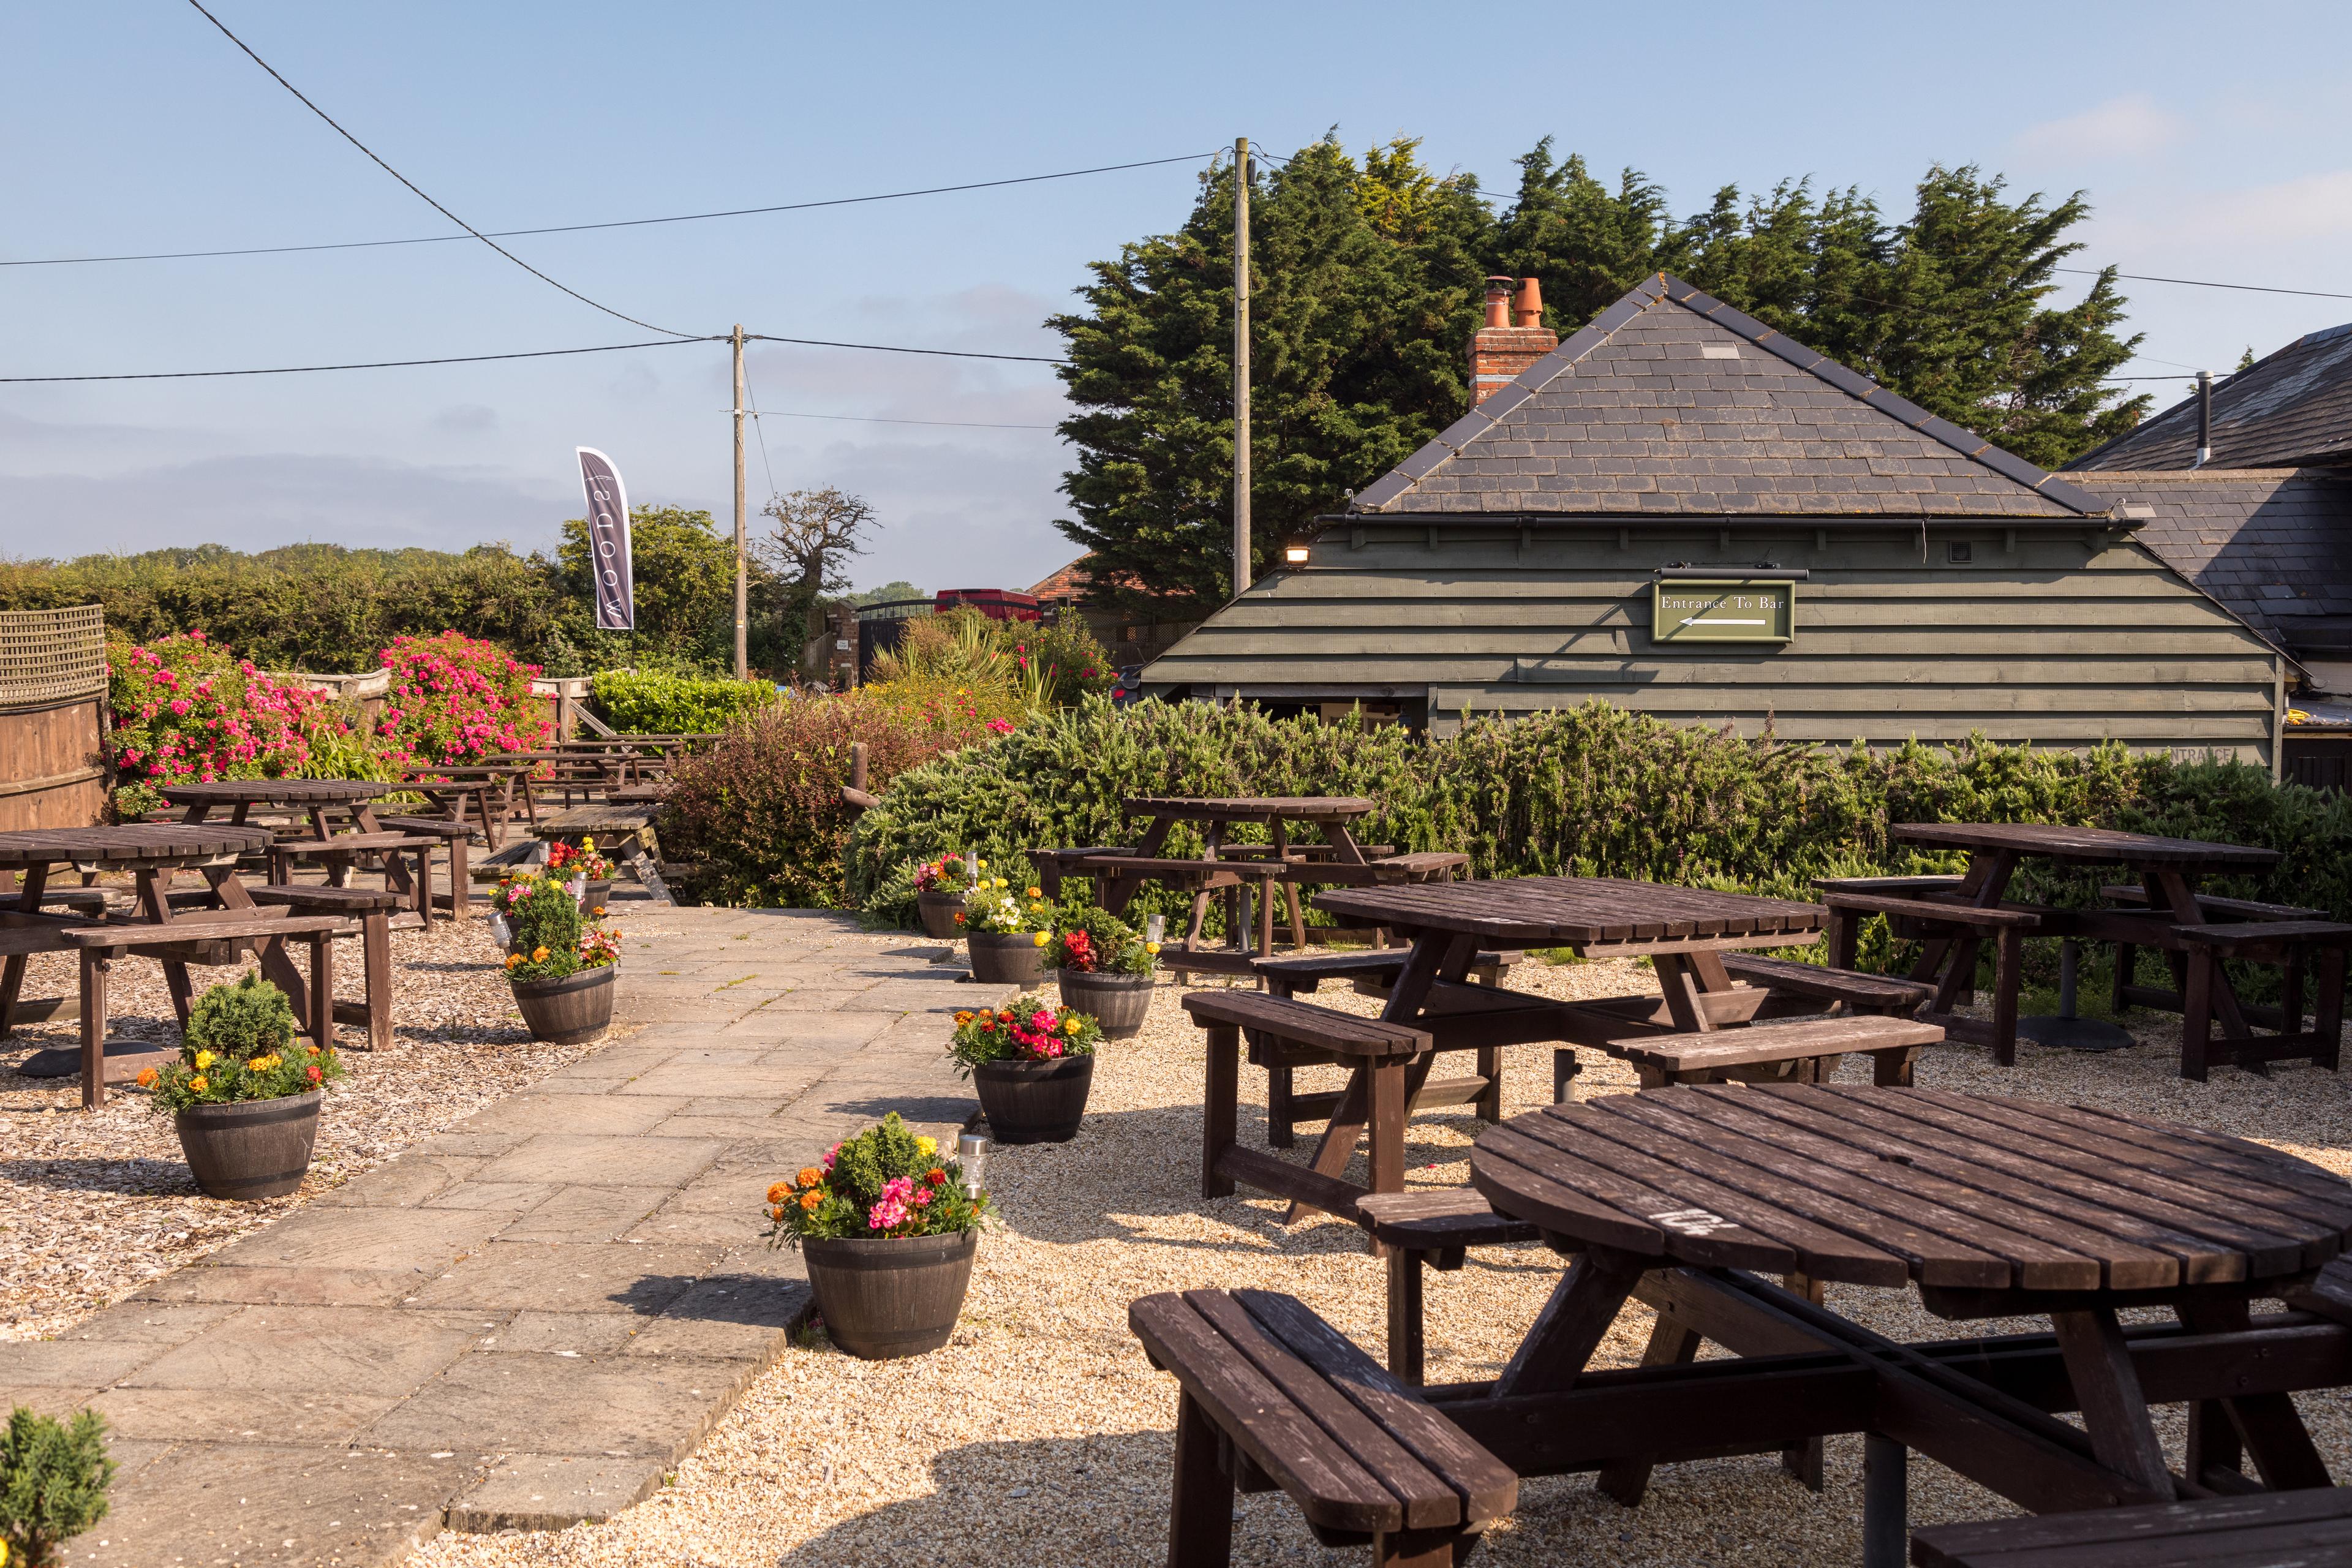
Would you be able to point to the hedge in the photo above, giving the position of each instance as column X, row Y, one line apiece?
column 652, row 702
column 1588, row 791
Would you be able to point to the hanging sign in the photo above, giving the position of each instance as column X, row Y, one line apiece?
column 1723, row 609
column 608, row 542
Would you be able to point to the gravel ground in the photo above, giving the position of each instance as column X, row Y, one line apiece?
column 1042, row 1436
column 94, row 1206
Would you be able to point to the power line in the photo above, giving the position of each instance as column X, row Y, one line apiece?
column 871, row 419
column 369, row 364
column 616, row 222
column 895, row 348
column 2207, row 283
column 412, row 184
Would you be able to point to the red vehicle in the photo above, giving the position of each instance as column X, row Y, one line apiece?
column 996, row 604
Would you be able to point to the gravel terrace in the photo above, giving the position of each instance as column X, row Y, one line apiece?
column 1042, row 1436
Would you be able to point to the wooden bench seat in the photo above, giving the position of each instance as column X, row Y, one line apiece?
column 1436, row 1229
column 2237, row 908
column 1273, row 1398
column 340, row 853
column 2292, row 944
column 374, row 911
column 1851, row 988
column 1373, row 974
column 1053, row 865
column 1420, row 866
column 456, row 842
column 2307, row 1528
column 1943, row 925
column 1801, row 1052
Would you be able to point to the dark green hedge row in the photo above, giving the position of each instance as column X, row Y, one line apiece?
column 1592, row 790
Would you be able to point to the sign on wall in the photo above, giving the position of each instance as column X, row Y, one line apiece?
column 1723, row 609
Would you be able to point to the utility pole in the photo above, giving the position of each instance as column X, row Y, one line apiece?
column 1241, row 367
column 742, row 665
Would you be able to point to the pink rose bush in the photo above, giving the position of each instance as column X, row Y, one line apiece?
column 186, row 710
column 455, row 699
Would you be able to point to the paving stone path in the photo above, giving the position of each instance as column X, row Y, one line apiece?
column 527, row 1319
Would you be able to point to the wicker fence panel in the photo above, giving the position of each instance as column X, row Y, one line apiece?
column 51, row 655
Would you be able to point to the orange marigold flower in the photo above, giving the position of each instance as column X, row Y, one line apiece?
column 199, row 1084
column 146, row 1077
column 538, row 955
column 811, row 1176
column 935, row 1177
column 963, row 1016
column 779, row 1192
column 810, row 1200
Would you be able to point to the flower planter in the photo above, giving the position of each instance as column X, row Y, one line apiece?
column 598, row 894
column 886, row 1297
column 1116, row 1002
column 1014, row 959
column 252, row 1148
column 1034, row 1102
column 939, row 912
column 570, row 1011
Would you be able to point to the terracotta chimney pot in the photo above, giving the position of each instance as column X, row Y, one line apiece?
column 1498, row 301
column 1526, row 309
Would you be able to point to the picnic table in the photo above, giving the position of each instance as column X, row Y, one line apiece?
column 1681, row 929
column 1976, row 909
column 490, row 790
column 1254, row 871
column 1988, row 1208
column 39, row 918
column 343, row 827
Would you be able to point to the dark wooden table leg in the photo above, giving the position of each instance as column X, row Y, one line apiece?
column 2266, row 1426
column 1571, row 1324
column 1201, row 1529
column 322, row 989
column 1682, row 989
column 1220, row 1104
column 1407, row 1349
column 1387, row 1080
column 1671, row 1345
column 2107, row 1389
column 12, row 974
column 94, row 965
column 1803, row 1461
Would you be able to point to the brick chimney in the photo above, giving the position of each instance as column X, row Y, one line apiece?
column 1513, row 338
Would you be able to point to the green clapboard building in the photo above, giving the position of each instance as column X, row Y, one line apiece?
column 1681, row 511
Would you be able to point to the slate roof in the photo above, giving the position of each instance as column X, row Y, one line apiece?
column 2290, row 410
column 2273, row 545
column 1671, row 402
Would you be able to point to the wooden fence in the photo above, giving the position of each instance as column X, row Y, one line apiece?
column 53, row 764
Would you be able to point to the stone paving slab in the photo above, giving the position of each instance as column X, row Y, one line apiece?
column 526, row 1321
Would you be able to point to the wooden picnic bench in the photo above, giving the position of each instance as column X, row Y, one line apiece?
column 1272, row 1396
column 1390, row 1063
column 367, row 913
column 2290, row 943
column 1804, row 1051
column 1373, row 974
column 1792, row 981
column 1433, row 1228
column 2303, row 1529
column 340, row 854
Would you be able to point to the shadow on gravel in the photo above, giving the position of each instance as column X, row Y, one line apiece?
column 921, row 1109
column 111, row 1175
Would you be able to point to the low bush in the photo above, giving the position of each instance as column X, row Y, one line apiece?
column 656, row 702
column 1588, row 791
column 760, row 810
column 186, row 709
column 1052, row 663
column 53, row 1476
column 455, row 698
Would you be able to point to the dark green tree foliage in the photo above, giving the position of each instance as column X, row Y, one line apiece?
column 1365, row 289
column 1364, row 282
column 53, row 1481
column 684, row 571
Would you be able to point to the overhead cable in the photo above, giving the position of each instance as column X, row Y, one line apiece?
column 369, row 364
column 412, row 184
column 2207, row 283
column 616, row 222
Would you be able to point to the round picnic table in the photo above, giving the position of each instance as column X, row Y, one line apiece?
column 1989, row 1207
column 153, row 853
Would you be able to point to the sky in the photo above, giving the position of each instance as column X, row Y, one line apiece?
column 2211, row 144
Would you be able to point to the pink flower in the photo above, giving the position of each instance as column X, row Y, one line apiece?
column 1000, row 726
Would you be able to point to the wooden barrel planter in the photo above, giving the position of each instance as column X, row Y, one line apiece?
column 1003, row 960
column 1034, row 1102
column 571, row 1011
column 886, row 1297
column 1116, row 1002
column 252, row 1148
column 939, row 912
column 598, row 894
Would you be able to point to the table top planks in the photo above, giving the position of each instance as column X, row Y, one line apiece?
column 2307, row 1528
column 1884, row 1186
column 2100, row 846
column 1574, row 911
column 131, row 845
column 275, row 792
column 1250, row 809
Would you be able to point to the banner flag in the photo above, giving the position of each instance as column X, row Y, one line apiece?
column 608, row 542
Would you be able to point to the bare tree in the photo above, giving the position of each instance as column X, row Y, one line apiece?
column 815, row 534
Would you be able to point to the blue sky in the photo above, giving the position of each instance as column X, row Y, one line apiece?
column 2212, row 142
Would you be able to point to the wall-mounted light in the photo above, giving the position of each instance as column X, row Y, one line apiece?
column 1294, row 552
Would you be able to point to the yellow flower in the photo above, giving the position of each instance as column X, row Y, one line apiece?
column 588, row 846
column 199, row 1084
column 999, row 882
column 203, row 1060
column 1042, row 939
column 1152, row 948
column 1070, row 1025
column 927, row 1147
column 981, row 864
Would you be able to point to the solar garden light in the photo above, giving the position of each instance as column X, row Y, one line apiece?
column 971, row 1153
column 1155, row 928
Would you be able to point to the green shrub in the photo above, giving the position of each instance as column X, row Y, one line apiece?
column 655, row 703
column 761, row 809
column 1587, row 791
column 247, row 1019
column 53, row 1480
